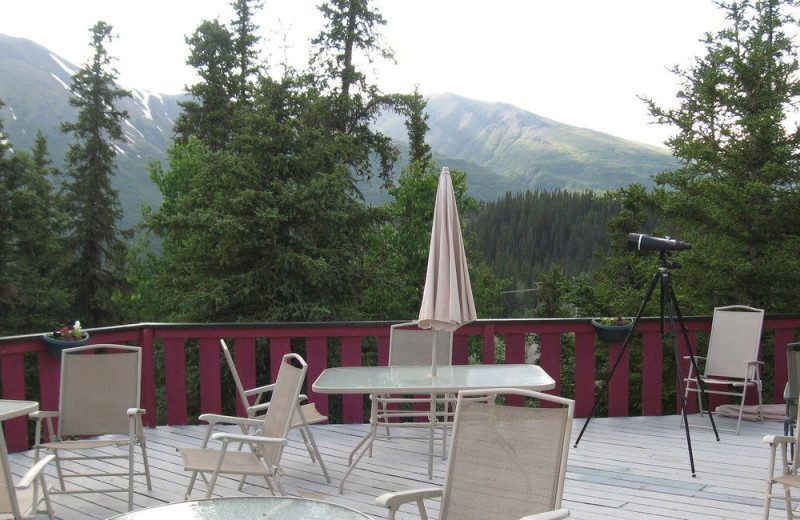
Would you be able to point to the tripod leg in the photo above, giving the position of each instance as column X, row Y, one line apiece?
column 604, row 388
column 693, row 360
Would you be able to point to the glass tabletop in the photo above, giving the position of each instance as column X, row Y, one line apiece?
column 448, row 378
column 247, row 508
column 10, row 408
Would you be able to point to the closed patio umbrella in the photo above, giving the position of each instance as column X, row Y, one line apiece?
column 447, row 301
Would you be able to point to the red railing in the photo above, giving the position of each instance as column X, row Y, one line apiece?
column 167, row 345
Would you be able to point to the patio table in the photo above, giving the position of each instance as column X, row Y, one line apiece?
column 246, row 508
column 449, row 379
column 9, row 409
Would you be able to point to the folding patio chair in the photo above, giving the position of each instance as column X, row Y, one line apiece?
column 787, row 472
column 411, row 346
column 98, row 408
column 265, row 446
column 792, row 391
column 21, row 500
column 505, row 461
column 731, row 364
column 307, row 412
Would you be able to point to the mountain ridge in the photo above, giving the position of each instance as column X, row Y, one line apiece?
column 501, row 147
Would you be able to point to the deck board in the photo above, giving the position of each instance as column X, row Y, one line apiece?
column 623, row 468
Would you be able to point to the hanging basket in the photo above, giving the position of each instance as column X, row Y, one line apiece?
column 612, row 333
column 55, row 345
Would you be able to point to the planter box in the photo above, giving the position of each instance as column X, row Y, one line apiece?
column 612, row 333
column 55, row 345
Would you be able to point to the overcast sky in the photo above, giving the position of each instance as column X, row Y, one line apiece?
column 580, row 62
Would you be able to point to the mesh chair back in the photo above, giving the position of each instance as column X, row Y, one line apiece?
column 506, row 461
column 282, row 405
column 793, row 382
column 414, row 346
column 97, row 389
column 735, row 340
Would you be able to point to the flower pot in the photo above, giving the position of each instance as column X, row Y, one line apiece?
column 612, row 333
column 56, row 345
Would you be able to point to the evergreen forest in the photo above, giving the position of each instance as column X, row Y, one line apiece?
column 262, row 218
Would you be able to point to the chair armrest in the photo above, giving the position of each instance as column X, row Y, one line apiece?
column 256, row 408
column 260, row 390
column 701, row 358
column 398, row 498
column 239, row 437
column 548, row 515
column 136, row 411
column 27, row 479
column 778, row 439
column 212, row 419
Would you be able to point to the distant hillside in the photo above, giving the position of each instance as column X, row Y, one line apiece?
column 530, row 151
column 502, row 148
column 34, row 86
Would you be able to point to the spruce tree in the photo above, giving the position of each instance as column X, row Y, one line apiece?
column 208, row 115
column 354, row 103
column 30, row 245
column 735, row 196
column 96, row 267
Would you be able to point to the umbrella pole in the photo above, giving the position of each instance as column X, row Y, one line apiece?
column 433, row 353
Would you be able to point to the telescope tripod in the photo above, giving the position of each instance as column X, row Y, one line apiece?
column 669, row 303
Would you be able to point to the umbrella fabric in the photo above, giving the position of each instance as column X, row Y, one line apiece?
column 447, row 301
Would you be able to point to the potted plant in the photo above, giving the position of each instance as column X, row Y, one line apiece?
column 66, row 337
column 612, row 330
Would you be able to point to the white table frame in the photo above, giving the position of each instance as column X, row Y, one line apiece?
column 449, row 379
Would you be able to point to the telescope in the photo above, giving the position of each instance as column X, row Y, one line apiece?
column 641, row 242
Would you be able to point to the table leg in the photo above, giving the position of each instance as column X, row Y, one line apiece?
column 364, row 446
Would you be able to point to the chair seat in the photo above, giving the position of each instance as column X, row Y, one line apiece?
column 239, row 462
column 788, row 480
column 311, row 415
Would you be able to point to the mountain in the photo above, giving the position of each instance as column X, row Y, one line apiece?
column 34, row 85
column 529, row 151
column 502, row 148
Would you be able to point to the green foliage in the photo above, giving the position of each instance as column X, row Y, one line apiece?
column 522, row 235
column 735, row 196
column 96, row 266
column 349, row 36
column 31, row 250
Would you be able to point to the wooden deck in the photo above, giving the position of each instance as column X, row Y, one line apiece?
column 623, row 468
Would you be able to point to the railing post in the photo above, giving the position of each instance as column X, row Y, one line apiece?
column 515, row 353
column 12, row 373
column 175, row 376
column 210, row 377
column 352, row 405
column 550, row 359
column 618, row 387
column 585, row 373
column 488, row 344
column 148, row 393
column 780, row 373
column 652, row 372
column 317, row 359
column 244, row 357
